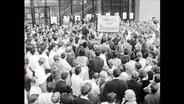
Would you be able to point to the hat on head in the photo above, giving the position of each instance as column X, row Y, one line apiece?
column 135, row 75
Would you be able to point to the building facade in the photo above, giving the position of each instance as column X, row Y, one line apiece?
column 40, row 11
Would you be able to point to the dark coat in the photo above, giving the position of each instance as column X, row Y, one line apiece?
column 117, row 86
column 67, row 98
column 95, row 65
column 60, row 86
column 82, row 101
column 136, row 87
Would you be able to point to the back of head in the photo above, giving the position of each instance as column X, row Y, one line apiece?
column 95, row 75
column 154, row 87
column 82, row 52
column 97, row 52
column 50, row 86
column 142, row 74
column 157, row 78
column 150, row 75
column 132, row 56
column 86, row 88
column 63, row 55
column 64, row 75
column 111, row 97
column 116, row 72
column 138, row 65
column 135, row 75
column 156, row 70
column 84, row 44
column 68, row 89
column 77, row 70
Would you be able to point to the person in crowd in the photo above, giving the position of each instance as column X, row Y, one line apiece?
column 61, row 84
column 45, row 98
column 135, row 86
column 111, row 98
column 154, row 96
column 52, row 52
column 141, row 60
column 117, row 86
column 115, row 61
column 41, row 75
column 96, row 64
column 66, row 96
column 130, row 97
column 70, row 55
column 82, row 61
column 77, row 81
column 83, row 98
column 55, row 98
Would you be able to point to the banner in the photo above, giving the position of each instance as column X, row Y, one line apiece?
column 53, row 20
column 108, row 24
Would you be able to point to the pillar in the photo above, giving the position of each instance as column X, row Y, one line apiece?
column 137, row 9
column 99, row 11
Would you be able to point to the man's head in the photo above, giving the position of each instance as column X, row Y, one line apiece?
column 68, row 89
column 157, row 78
column 81, row 52
column 84, row 44
column 97, row 52
column 86, row 89
column 135, row 75
column 54, row 47
column 56, row 58
column 55, row 97
column 138, row 65
column 154, row 87
column 41, row 60
column 116, row 72
column 64, row 75
column 63, row 55
column 139, row 55
column 77, row 70
column 50, row 86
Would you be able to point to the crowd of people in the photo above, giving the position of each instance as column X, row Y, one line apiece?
column 73, row 63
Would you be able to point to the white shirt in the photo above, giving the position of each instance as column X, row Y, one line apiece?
column 104, row 58
column 35, row 90
column 45, row 98
column 33, row 61
column 131, row 64
column 51, row 57
column 148, row 68
column 66, row 65
column 142, row 61
column 47, row 65
column 77, row 83
column 40, row 74
column 60, row 50
column 25, row 97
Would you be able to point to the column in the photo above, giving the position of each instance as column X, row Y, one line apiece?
column 32, row 11
column 99, row 7
column 137, row 9
column 71, row 7
column 46, row 17
column 59, row 5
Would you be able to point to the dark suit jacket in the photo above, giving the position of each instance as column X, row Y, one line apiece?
column 136, row 87
column 82, row 101
column 117, row 86
column 60, row 86
column 67, row 98
column 70, row 59
column 96, row 65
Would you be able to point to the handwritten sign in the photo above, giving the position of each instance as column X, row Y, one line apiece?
column 108, row 24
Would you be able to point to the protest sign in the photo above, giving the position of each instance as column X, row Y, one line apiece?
column 108, row 24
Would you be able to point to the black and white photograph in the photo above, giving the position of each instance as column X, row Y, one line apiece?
column 92, row 51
